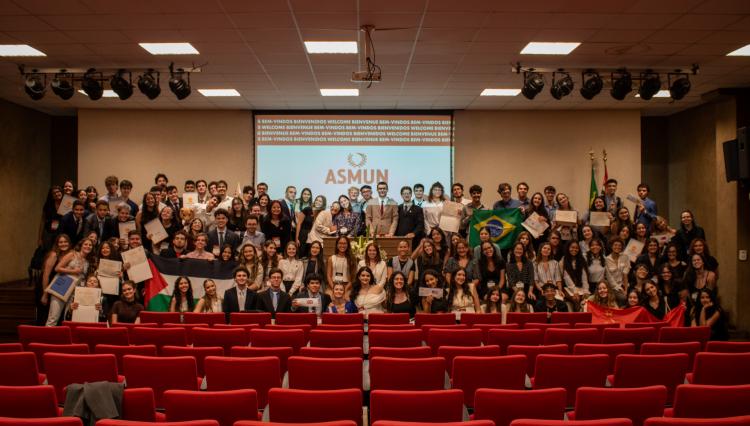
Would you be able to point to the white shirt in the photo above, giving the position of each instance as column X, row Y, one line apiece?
column 380, row 271
column 432, row 211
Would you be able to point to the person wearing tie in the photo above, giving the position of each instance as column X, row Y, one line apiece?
column 275, row 299
column 410, row 219
column 222, row 235
column 71, row 223
column 98, row 222
column 381, row 213
column 299, row 304
column 288, row 205
column 239, row 298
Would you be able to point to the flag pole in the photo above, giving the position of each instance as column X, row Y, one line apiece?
column 606, row 173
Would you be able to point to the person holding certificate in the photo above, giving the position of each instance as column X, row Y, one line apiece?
column 97, row 312
column 76, row 265
column 434, row 295
column 311, row 299
column 149, row 212
column 60, row 248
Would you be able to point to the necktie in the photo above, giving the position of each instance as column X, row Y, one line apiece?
column 101, row 228
column 381, row 207
column 221, row 239
column 275, row 299
column 241, row 299
column 78, row 226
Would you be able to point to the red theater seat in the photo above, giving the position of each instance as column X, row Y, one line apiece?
column 300, row 406
column 51, row 335
column 417, row 406
column 226, row 407
column 502, row 406
column 281, row 352
column 571, row 317
column 390, row 319
column 120, row 351
column 728, row 347
column 412, row 374
column 19, row 369
column 314, row 352
column 409, row 352
column 52, row 421
column 522, row 318
column 611, row 350
column 570, row 337
column 40, row 349
column 395, row 338
column 462, row 337
column 93, row 336
column 497, row 372
column 160, row 317
column 64, row 369
column 421, row 319
column 450, row 352
column 603, row 422
column 336, row 339
column 725, row 421
column 685, row 334
column 260, row 373
column 336, row 319
column 225, row 338
column 532, row 352
column 636, row 336
column 636, row 404
column 264, row 337
column 713, row 368
column 472, row 318
column 161, row 374
column 199, row 353
column 28, row 401
column 260, row 318
column 11, row 347
column 689, row 348
column 286, row 318
column 708, row 401
column 325, row 374
column 570, row 372
column 158, row 337
column 632, row 371
column 210, row 318
column 504, row 338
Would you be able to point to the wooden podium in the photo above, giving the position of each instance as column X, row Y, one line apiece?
column 388, row 244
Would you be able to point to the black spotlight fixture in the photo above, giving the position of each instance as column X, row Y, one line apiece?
column 35, row 85
column 533, row 83
column 122, row 87
column 650, row 85
column 562, row 86
column 92, row 85
column 148, row 84
column 62, row 85
column 177, row 84
column 622, row 84
column 679, row 87
column 592, row 84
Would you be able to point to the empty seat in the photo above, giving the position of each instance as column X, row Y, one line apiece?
column 545, row 326
column 42, row 421
column 199, row 353
column 281, row 352
column 685, row 334
column 603, row 422
column 138, row 404
column 37, row 334
column 300, row 406
column 225, row 338
column 531, row 353
column 261, row 423
column 408, row 352
column 160, row 317
column 246, row 327
column 19, row 369
column 73, row 325
column 714, row 368
column 450, row 352
column 305, row 328
column 351, row 319
column 110, row 422
column 339, row 327
column 315, row 352
column 28, row 401
column 570, row 337
column 394, row 338
column 570, row 372
column 93, row 336
column 226, row 407
column 472, row 318
column 611, row 350
column 466, row 423
column 260, row 318
column 497, row 372
column 603, row 403
column 502, row 406
column 727, row 347
column 407, row 373
column 324, row 374
column 487, row 327
column 632, row 371
column 708, row 401
column 260, row 373
column 689, row 348
column 393, row 327
column 130, row 326
column 427, row 327
column 11, row 347
column 725, row 421
column 120, row 351
column 636, row 336
column 522, row 318
column 158, row 337
column 657, row 325
column 286, row 318
column 336, row 339
column 504, row 338
column 187, row 327
column 462, row 337
column 64, row 369
column 40, row 349
column 417, row 406
column 571, row 317
column 421, row 318
column 264, row 337
column 161, row 373
column 210, row 318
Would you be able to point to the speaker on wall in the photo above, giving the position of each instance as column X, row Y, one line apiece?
column 731, row 161
column 743, row 153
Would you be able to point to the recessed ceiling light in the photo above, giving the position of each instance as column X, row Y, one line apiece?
column 659, row 94
column 107, row 93
column 19, row 50
column 219, row 92
column 500, row 92
column 331, row 46
column 169, row 48
column 544, row 48
column 742, row 51
column 339, row 92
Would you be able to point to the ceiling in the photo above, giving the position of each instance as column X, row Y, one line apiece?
column 435, row 54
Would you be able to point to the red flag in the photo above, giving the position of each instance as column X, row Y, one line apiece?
column 604, row 315
column 606, row 177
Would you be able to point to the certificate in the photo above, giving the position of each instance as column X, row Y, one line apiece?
column 310, row 302
column 633, row 249
column 600, row 219
column 139, row 270
column 450, row 217
column 663, row 239
column 85, row 314
column 126, row 227
column 156, row 230
column 110, row 268
column 113, row 203
column 62, row 286
column 535, row 226
column 226, row 204
column 66, row 205
column 189, row 199
column 88, row 296
column 566, row 217
column 109, row 285
column 632, row 198
column 436, row 293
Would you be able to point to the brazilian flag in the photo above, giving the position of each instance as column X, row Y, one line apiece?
column 504, row 226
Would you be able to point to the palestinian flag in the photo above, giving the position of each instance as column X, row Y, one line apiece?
column 504, row 226
column 604, row 315
column 158, row 290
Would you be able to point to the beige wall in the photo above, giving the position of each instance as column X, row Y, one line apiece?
column 547, row 147
column 182, row 144
column 24, row 167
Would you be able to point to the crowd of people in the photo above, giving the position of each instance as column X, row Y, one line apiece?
column 276, row 249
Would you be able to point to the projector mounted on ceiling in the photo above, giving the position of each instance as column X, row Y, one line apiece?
column 366, row 77
column 372, row 73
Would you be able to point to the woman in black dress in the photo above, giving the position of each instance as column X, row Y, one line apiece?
column 653, row 300
column 710, row 314
column 398, row 296
column 276, row 227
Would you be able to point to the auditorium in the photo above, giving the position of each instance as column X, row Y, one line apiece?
column 374, row 213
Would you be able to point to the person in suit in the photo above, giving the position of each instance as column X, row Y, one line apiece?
column 288, row 205
column 312, row 291
column 274, row 300
column 99, row 222
column 221, row 235
column 611, row 199
column 173, row 198
column 239, row 298
column 72, row 223
column 410, row 219
column 381, row 213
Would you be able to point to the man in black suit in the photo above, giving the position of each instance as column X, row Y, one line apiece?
column 274, row 300
column 312, row 292
column 288, row 205
column 99, row 222
column 221, row 235
column 410, row 219
column 72, row 223
column 173, row 200
column 238, row 298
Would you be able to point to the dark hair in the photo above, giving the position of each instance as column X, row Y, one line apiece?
column 240, row 268
column 267, row 262
column 275, row 271
column 590, row 258
column 363, row 187
column 199, row 181
column 458, row 184
column 575, row 272
column 546, row 286
column 644, row 185
column 181, row 232
column 177, row 295
column 126, row 184
column 502, row 187
column 383, row 183
column 452, row 286
column 549, row 188
column 248, row 188
column 357, row 285
column 222, row 182
column 78, row 203
column 442, row 189
column 110, row 180
column 611, row 180
column 475, row 188
column 404, row 188
column 522, row 183
column 161, row 175
column 418, row 185
column 220, row 212
column 390, row 290
column 261, row 183
column 188, row 182
column 102, row 203
column 314, row 277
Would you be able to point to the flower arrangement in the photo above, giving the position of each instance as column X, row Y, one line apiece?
column 359, row 245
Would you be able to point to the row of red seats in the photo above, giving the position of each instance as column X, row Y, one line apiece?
column 493, row 406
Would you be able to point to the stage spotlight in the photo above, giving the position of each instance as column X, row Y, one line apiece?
column 177, row 84
column 148, row 84
column 679, row 87
column 622, row 84
column 561, row 87
column 650, row 85
column 123, row 88
column 62, row 85
column 92, row 86
column 592, row 84
column 35, row 86
column 533, row 83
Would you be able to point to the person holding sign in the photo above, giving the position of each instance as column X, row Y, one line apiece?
column 566, row 218
column 60, row 248
column 149, row 212
column 598, row 217
column 76, row 266
column 538, row 213
column 81, row 306
column 434, row 295
column 311, row 299
column 381, row 213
